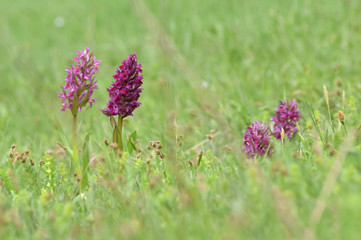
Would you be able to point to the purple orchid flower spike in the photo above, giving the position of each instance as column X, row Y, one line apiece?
column 257, row 140
column 285, row 119
column 79, row 86
column 80, row 82
column 124, row 94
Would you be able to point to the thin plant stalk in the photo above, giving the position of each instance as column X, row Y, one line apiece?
column 120, row 132
column 315, row 123
column 325, row 93
column 75, row 145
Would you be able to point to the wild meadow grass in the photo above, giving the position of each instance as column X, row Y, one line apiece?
column 210, row 68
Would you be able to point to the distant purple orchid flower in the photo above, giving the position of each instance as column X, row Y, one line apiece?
column 286, row 117
column 125, row 91
column 80, row 82
column 257, row 140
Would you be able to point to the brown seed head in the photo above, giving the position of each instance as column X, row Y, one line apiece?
column 341, row 116
column 332, row 152
column 339, row 83
column 60, row 151
column 114, row 146
column 50, row 152
column 120, row 178
column 338, row 92
column 296, row 154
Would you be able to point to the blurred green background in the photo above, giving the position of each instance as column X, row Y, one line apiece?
column 207, row 65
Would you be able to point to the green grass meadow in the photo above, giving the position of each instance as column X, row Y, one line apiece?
column 210, row 69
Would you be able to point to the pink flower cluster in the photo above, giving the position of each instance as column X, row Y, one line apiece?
column 125, row 91
column 257, row 138
column 80, row 82
column 286, row 117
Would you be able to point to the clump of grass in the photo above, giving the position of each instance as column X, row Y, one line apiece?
column 7, row 182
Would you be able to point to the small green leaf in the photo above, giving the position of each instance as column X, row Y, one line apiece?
column 131, row 144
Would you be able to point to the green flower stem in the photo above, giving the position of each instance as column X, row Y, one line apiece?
column 75, row 147
column 120, row 131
